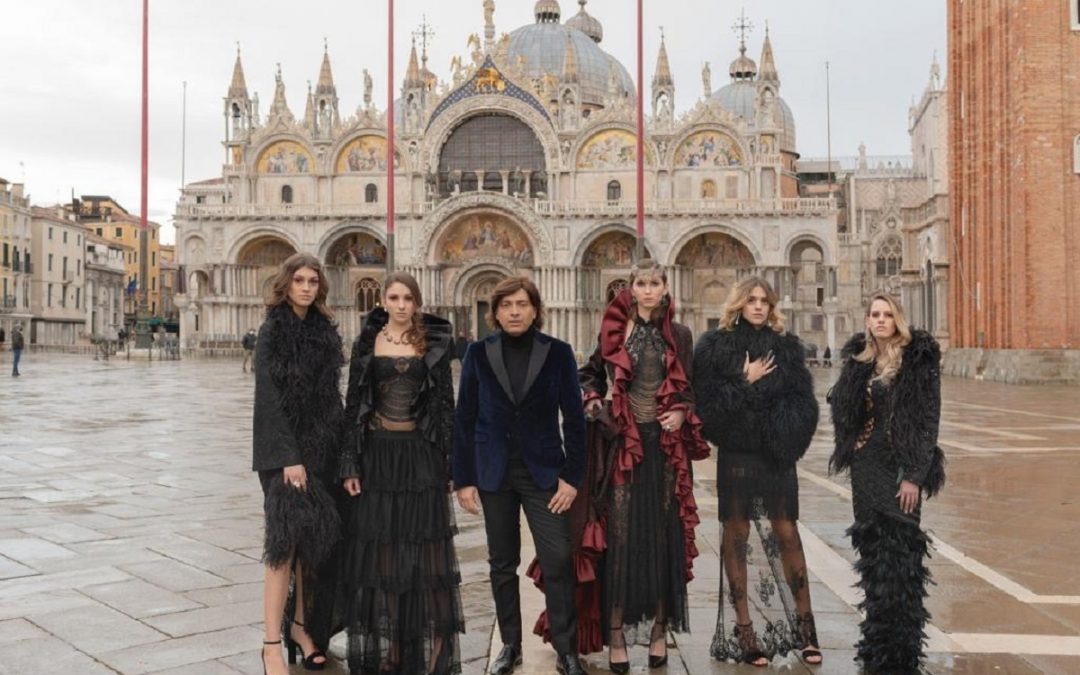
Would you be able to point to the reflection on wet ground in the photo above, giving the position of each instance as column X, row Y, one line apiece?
column 130, row 531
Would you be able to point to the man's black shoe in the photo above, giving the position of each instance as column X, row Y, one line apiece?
column 569, row 664
column 507, row 660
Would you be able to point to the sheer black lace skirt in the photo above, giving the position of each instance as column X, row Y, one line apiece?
column 764, row 608
column 400, row 568
column 645, row 561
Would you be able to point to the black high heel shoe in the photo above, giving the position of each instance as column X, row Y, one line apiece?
column 661, row 660
column 308, row 660
column 262, row 656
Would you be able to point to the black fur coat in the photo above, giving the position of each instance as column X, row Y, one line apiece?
column 297, row 420
column 776, row 416
column 435, row 402
column 915, row 410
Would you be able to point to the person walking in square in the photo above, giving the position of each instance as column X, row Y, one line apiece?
column 248, row 343
column 649, row 510
column 296, row 442
column 509, row 456
column 400, row 571
column 18, row 342
column 756, row 398
column 886, row 407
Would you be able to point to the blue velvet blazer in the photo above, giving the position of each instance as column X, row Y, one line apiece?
column 488, row 421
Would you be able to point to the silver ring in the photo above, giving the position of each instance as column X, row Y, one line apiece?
column 296, row 483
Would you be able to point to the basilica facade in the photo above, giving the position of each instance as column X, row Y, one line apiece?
column 523, row 162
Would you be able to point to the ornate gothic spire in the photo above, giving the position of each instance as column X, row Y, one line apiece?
column 238, row 87
column 569, row 70
column 325, row 86
column 662, row 77
column 412, row 73
column 767, row 71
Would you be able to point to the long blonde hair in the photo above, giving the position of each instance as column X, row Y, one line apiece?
column 740, row 295
column 889, row 357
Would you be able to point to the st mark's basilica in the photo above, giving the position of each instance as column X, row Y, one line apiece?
column 524, row 163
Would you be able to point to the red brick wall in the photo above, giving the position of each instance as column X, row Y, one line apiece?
column 1014, row 109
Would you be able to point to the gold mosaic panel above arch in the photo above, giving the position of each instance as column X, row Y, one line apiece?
column 708, row 148
column 357, row 249
column 715, row 249
column 611, row 149
column 485, row 236
column 614, row 249
column 365, row 154
column 285, row 157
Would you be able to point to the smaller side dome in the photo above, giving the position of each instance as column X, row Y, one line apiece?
column 743, row 67
column 587, row 23
column 547, row 11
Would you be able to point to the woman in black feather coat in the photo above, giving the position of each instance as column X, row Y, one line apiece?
column 400, row 570
column 885, row 410
column 755, row 397
column 297, row 424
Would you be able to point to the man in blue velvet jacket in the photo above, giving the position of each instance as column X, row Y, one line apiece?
column 509, row 457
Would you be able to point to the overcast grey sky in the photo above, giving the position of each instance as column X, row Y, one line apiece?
column 69, row 88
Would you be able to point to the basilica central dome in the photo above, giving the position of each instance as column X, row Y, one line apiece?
column 544, row 43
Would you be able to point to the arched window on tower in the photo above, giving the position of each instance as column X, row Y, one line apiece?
column 286, row 194
column 371, row 194
column 368, row 293
column 614, row 191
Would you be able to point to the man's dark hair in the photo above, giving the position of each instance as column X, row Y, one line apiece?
column 508, row 287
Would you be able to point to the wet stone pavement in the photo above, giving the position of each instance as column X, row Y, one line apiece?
column 130, row 532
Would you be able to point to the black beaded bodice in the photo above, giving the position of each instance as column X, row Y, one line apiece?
column 647, row 348
column 398, row 380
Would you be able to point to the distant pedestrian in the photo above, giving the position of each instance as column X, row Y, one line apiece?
column 249, row 348
column 3, row 338
column 17, row 344
column 826, row 358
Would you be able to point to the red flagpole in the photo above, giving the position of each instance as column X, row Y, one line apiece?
column 640, row 133
column 142, row 310
column 390, row 137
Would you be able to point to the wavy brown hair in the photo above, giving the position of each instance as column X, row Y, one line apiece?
column 279, row 284
column 416, row 335
column 740, row 295
column 887, row 358
column 508, row 287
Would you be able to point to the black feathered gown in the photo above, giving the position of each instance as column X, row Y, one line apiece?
column 297, row 420
column 885, row 433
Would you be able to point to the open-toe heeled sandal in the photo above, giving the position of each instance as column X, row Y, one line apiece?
column 753, row 655
column 308, row 660
column 811, row 653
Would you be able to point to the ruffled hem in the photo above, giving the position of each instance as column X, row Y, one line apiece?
column 587, row 592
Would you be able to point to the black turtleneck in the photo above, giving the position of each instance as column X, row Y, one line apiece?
column 516, row 352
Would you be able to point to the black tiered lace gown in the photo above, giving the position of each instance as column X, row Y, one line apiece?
column 400, row 566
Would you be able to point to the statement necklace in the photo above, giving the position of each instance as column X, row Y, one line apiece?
column 400, row 340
